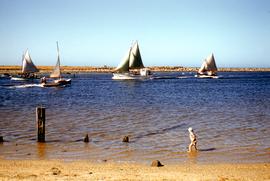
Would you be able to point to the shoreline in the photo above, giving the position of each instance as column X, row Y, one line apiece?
column 14, row 69
column 86, row 170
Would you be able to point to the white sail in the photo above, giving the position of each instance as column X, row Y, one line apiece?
column 27, row 64
column 203, row 67
column 56, row 71
column 124, row 64
column 135, row 60
column 132, row 60
column 211, row 64
column 208, row 66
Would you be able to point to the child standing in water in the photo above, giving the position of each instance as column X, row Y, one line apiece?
column 193, row 140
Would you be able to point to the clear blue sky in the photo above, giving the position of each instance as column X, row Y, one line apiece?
column 170, row 32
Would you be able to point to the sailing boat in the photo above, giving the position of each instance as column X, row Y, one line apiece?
column 208, row 68
column 132, row 61
column 28, row 68
column 56, row 73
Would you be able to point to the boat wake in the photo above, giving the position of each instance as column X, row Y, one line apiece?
column 171, row 77
column 26, row 86
column 164, row 77
column 184, row 77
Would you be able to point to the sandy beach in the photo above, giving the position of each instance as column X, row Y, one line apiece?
column 83, row 170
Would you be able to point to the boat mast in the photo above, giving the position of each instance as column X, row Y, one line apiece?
column 58, row 59
column 22, row 60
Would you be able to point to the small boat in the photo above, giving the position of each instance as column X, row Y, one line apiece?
column 5, row 76
column 56, row 73
column 28, row 69
column 208, row 68
column 131, row 67
column 59, row 83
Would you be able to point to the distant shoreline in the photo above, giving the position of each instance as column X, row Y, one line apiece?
column 14, row 69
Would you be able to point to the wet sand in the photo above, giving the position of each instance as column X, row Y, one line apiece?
column 84, row 170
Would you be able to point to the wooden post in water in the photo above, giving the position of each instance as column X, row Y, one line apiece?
column 86, row 138
column 1, row 139
column 125, row 139
column 40, row 119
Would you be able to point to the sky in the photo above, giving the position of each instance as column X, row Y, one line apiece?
column 169, row 32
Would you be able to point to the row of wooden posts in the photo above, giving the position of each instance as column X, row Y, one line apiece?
column 40, row 120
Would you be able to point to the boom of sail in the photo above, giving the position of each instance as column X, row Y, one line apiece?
column 132, row 59
column 27, row 64
column 209, row 66
column 56, row 73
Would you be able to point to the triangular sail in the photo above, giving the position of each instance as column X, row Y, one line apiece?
column 203, row 67
column 209, row 65
column 56, row 71
column 135, row 60
column 27, row 65
column 132, row 60
column 124, row 64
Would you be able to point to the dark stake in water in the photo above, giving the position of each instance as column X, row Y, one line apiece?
column 230, row 115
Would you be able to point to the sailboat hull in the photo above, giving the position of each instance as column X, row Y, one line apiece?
column 207, row 76
column 57, row 83
column 128, row 76
column 24, row 78
column 18, row 78
column 63, row 81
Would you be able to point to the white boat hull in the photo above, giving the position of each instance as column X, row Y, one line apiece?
column 128, row 76
column 21, row 79
column 17, row 78
column 207, row 76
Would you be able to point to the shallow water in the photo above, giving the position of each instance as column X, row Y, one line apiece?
column 230, row 115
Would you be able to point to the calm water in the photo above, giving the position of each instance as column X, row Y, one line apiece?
column 230, row 115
